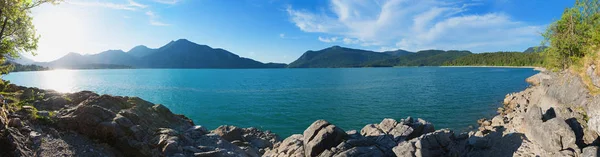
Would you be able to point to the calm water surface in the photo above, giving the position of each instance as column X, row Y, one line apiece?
column 286, row 101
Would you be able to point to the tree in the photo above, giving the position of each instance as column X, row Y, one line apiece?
column 574, row 35
column 17, row 33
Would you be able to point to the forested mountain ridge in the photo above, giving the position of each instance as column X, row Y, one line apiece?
column 421, row 58
column 498, row 59
column 337, row 57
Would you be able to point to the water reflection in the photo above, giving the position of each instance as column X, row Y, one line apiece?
column 58, row 80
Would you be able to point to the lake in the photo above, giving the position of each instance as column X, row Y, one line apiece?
column 287, row 101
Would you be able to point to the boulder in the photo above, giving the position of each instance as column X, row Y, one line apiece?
column 292, row 146
column 320, row 136
column 553, row 135
column 387, row 125
column 590, row 151
column 406, row 148
column 419, row 127
column 438, row 143
column 196, row 131
column 229, row 133
column 371, row 130
column 15, row 123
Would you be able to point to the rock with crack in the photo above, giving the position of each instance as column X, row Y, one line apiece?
column 320, row 136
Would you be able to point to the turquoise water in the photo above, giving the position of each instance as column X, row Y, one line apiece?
column 286, row 101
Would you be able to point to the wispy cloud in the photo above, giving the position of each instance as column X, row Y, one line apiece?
column 131, row 5
column 328, row 40
column 153, row 19
column 167, row 1
column 415, row 25
column 135, row 4
column 285, row 36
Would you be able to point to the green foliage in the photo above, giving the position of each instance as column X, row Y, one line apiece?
column 498, row 59
column 15, row 67
column 421, row 58
column 535, row 49
column 575, row 35
column 17, row 33
column 4, row 84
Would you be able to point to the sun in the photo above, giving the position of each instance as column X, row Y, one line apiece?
column 59, row 26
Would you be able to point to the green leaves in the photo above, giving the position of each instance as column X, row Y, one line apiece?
column 17, row 32
column 498, row 59
column 575, row 35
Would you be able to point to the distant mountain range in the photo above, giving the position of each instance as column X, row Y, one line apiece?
column 186, row 54
column 176, row 54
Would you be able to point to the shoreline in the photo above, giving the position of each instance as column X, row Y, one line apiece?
column 487, row 66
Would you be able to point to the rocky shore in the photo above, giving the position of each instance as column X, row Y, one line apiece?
column 555, row 116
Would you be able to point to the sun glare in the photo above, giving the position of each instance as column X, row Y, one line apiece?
column 58, row 80
column 64, row 26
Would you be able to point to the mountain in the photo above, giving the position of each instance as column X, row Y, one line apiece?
column 535, row 49
column 176, row 54
column 186, row 54
column 398, row 52
column 105, row 60
column 140, row 51
column 19, row 60
column 421, row 58
column 337, row 57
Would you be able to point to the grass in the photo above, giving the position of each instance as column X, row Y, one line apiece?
column 581, row 67
column 17, row 103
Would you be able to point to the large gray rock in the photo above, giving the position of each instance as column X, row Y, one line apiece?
column 419, row 127
column 371, row 130
column 591, row 72
column 320, row 136
column 229, row 133
column 590, row 151
column 438, row 143
column 292, row 146
column 553, row 135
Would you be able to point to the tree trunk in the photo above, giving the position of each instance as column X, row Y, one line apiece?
column 3, row 27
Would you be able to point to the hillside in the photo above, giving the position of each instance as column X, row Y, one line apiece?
column 421, row 58
column 337, row 57
column 398, row 52
column 499, row 59
column 535, row 49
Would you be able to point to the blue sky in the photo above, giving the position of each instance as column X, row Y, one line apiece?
column 281, row 30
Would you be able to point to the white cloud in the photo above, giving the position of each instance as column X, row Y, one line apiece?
column 328, row 40
column 135, row 4
column 167, row 1
column 153, row 19
column 416, row 25
column 285, row 36
column 131, row 5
